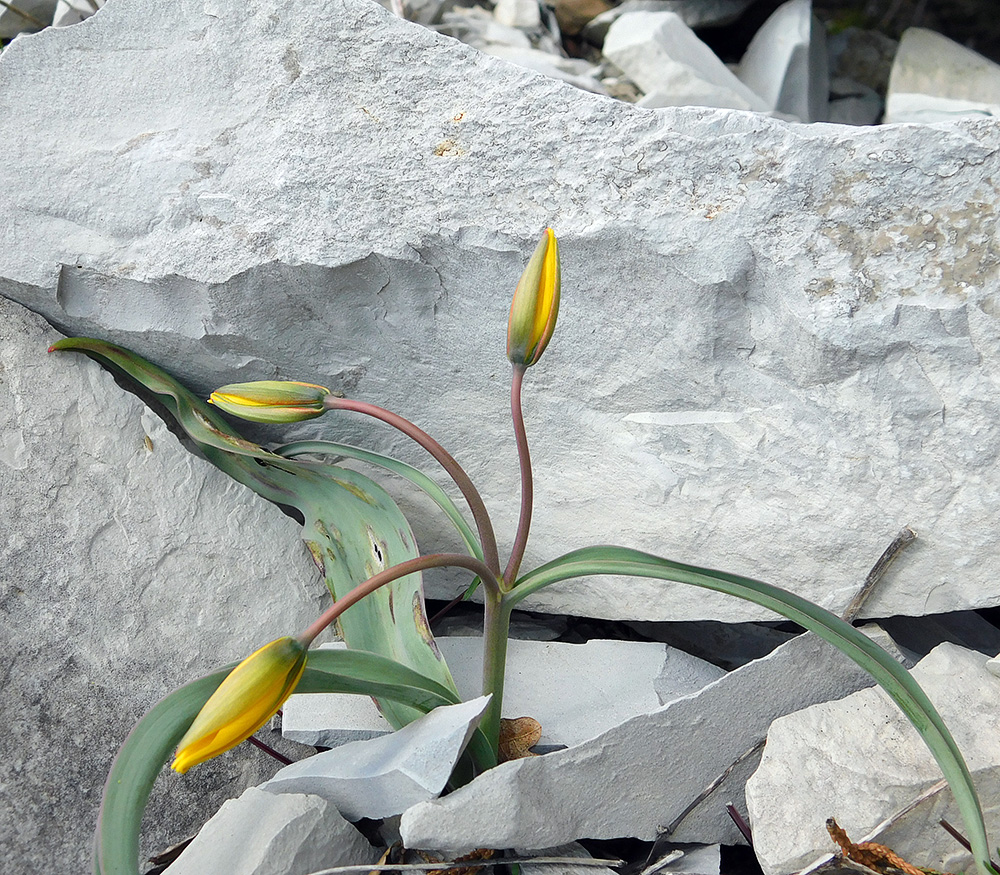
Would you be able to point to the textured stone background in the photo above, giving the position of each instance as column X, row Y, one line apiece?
column 777, row 343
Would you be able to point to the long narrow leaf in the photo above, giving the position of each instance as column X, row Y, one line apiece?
column 152, row 741
column 888, row 673
column 414, row 475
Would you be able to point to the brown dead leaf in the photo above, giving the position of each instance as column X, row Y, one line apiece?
column 874, row 856
column 517, row 736
column 478, row 854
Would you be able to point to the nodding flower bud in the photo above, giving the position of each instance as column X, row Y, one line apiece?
column 271, row 400
column 536, row 304
column 248, row 697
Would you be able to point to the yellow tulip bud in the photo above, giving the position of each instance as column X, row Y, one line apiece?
column 248, row 697
column 536, row 304
column 271, row 400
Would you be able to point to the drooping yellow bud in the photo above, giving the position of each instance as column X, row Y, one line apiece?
column 536, row 304
column 248, row 697
column 271, row 400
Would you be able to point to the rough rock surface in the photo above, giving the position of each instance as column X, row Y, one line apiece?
column 860, row 760
column 777, row 343
column 641, row 775
column 126, row 569
column 263, row 834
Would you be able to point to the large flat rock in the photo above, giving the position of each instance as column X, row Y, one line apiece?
column 127, row 568
column 776, row 345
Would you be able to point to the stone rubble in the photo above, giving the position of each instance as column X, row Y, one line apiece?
column 263, row 834
column 642, row 774
column 380, row 777
column 783, row 70
column 860, row 761
column 576, row 691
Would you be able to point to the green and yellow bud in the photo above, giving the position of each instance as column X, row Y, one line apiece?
column 271, row 400
column 536, row 304
column 248, row 697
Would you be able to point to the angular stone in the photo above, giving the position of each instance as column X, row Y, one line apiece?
column 576, row 691
column 128, row 567
column 936, row 79
column 786, row 63
column 694, row 13
column 518, row 13
column 12, row 22
column 799, row 289
column 266, row 834
column 662, row 55
column 384, row 776
column 861, row 761
column 641, row 775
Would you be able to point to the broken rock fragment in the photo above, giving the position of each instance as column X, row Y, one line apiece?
column 859, row 760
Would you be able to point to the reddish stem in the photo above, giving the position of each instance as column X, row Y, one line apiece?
column 445, row 459
column 434, row 560
column 527, row 485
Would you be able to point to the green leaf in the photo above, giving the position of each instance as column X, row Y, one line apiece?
column 153, row 740
column 888, row 673
column 352, row 526
column 414, row 475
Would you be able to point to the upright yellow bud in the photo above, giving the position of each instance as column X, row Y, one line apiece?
column 536, row 304
column 248, row 697
column 271, row 400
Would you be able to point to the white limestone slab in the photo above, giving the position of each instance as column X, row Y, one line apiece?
column 384, row 776
column 777, row 343
column 859, row 760
column 786, row 63
column 263, row 834
column 936, row 79
column 128, row 567
column 662, row 55
column 576, row 691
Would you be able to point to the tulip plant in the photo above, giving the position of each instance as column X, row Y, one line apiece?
column 365, row 548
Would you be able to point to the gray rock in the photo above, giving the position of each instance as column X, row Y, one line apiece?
column 12, row 22
column 861, row 761
column 384, row 776
column 569, row 850
column 862, row 55
column 852, row 103
column 694, row 13
column 264, row 834
column 818, row 344
column 662, row 55
column 641, row 775
column 786, row 63
column 576, row 691
column 936, row 79
column 127, row 568
column 518, row 13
